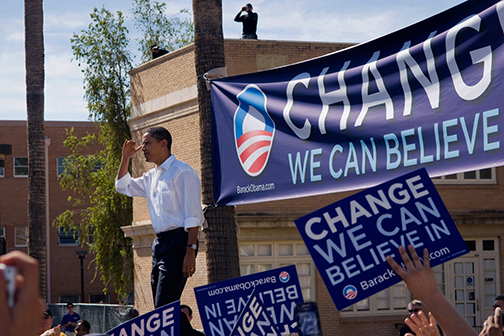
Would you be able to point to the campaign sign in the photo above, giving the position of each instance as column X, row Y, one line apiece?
column 221, row 303
column 254, row 320
column 429, row 95
column 349, row 240
column 163, row 321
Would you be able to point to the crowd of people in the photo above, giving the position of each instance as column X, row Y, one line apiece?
column 71, row 322
column 421, row 282
column 28, row 313
column 174, row 183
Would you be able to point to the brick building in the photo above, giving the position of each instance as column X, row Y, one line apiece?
column 164, row 93
column 63, row 265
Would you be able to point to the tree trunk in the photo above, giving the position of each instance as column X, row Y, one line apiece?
column 222, row 243
column 34, row 57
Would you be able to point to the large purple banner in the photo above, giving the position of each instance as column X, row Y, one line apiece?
column 426, row 96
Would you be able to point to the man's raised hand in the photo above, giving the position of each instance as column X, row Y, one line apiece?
column 130, row 149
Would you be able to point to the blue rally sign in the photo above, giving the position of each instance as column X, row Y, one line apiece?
column 349, row 240
column 428, row 95
column 221, row 303
column 163, row 321
column 254, row 320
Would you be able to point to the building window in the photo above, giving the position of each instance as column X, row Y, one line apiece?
column 61, row 164
column 483, row 176
column 2, row 167
column 68, row 236
column 99, row 298
column 264, row 256
column 2, row 232
column 91, row 236
column 98, row 166
column 69, row 298
column 20, row 167
column 21, row 233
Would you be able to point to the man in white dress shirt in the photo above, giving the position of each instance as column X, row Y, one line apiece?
column 173, row 192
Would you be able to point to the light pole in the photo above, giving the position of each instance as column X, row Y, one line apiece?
column 82, row 256
column 5, row 149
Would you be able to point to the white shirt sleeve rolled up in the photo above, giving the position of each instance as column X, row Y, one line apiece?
column 173, row 192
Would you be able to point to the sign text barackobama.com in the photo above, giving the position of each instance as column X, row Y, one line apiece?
column 255, row 188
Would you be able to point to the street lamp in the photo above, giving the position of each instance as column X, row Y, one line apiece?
column 82, row 256
column 5, row 149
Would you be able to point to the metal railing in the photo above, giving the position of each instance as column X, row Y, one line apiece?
column 101, row 317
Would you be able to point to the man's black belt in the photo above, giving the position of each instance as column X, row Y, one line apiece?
column 170, row 232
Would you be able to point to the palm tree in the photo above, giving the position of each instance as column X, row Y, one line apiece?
column 221, row 239
column 34, row 58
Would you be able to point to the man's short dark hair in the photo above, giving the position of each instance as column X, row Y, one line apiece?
column 85, row 324
column 249, row 5
column 186, row 307
column 132, row 313
column 160, row 134
column 70, row 304
column 499, row 298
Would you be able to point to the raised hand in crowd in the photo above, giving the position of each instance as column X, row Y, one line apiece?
column 24, row 317
column 57, row 330
column 419, row 324
column 420, row 280
column 493, row 324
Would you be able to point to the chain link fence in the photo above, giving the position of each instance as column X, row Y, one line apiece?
column 101, row 317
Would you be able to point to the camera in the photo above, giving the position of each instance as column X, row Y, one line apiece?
column 10, row 281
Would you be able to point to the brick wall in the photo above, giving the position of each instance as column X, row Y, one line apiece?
column 245, row 56
column 64, row 264
column 163, row 75
column 143, row 292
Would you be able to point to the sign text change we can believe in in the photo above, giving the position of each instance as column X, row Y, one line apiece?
column 428, row 95
column 220, row 304
column 349, row 239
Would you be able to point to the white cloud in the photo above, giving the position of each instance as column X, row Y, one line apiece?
column 12, row 30
column 65, row 21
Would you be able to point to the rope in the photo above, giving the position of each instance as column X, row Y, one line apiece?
column 207, row 206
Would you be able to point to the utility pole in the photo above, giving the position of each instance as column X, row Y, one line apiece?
column 82, row 256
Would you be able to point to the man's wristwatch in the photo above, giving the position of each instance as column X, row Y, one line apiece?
column 193, row 246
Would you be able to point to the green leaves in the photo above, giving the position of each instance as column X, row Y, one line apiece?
column 103, row 48
column 91, row 178
column 102, row 51
column 168, row 33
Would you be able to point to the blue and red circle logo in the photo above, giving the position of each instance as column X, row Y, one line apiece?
column 254, row 130
column 350, row 292
column 284, row 276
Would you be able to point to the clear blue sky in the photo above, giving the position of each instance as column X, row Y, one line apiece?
column 299, row 20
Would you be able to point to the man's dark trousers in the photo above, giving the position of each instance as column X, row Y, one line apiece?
column 167, row 279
